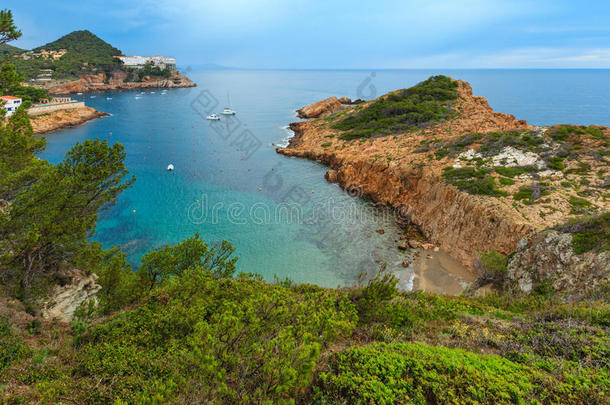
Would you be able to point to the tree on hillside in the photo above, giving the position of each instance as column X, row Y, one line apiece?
column 8, row 30
column 19, row 167
column 48, row 212
column 159, row 265
column 10, row 78
column 50, row 222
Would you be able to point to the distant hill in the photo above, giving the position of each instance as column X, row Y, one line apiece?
column 9, row 49
column 86, row 53
column 83, row 43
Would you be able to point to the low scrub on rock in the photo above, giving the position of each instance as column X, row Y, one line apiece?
column 417, row 106
column 589, row 233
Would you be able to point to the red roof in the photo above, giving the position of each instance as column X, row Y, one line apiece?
column 10, row 98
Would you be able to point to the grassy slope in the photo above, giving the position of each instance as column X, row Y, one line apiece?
column 9, row 49
column 245, row 341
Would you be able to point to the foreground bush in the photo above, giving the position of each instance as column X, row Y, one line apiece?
column 202, row 339
column 416, row 373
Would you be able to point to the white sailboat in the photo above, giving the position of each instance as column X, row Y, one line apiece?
column 228, row 110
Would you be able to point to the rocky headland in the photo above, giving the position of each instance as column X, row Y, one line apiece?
column 64, row 119
column 103, row 82
column 472, row 180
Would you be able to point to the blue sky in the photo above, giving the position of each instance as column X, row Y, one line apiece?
column 337, row 33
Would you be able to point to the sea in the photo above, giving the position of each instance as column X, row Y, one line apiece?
column 283, row 218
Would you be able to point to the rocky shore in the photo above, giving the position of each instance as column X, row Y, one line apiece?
column 460, row 223
column 64, row 118
column 408, row 171
column 101, row 82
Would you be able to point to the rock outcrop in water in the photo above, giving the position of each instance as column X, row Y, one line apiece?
column 418, row 171
column 64, row 119
column 320, row 108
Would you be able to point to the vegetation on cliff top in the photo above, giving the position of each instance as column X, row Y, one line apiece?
column 571, row 158
column 589, row 233
column 415, row 107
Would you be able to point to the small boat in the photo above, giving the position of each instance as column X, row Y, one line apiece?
column 79, row 94
column 228, row 110
column 138, row 97
column 92, row 97
column 108, row 98
column 170, row 167
column 213, row 117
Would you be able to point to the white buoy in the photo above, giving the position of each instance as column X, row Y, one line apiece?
column 170, row 167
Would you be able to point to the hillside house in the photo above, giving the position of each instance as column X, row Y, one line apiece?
column 10, row 104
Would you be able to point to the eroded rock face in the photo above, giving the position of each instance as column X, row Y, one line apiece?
column 548, row 256
column 320, row 108
column 64, row 118
column 402, row 171
column 64, row 299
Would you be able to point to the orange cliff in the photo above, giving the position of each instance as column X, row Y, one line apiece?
column 101, row 82
column 64, row 119
column 388, row 171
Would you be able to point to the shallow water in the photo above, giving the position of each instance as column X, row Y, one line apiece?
column 229, row 183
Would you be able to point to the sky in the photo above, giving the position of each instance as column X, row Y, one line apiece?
column 336, row 34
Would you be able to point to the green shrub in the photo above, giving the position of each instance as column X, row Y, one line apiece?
column 369, row 299
column 582, row 170
column 414, row 107
column 589, row 233
column 513, row 171
column 217, row 340
column 506, row 182
column 472, row 180
column 573, row 133
column 556, row 163
column 12, row 347
column 524, row 194
column 417, row 373
column 579, row 205
column 491, row 267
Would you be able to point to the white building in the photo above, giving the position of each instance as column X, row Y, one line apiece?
column 10, row 104
column 139, row 62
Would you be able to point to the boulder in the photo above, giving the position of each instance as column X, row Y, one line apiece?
column 320, row 108
column 414, row 244
column 65, row 299
column 403, row 246
column 548, row 256
column 331, row 176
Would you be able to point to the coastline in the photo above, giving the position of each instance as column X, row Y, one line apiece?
column 100, row 82
column 460, row 224
column 55, row 120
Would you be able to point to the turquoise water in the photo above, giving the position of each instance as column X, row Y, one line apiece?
column 325, row 235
